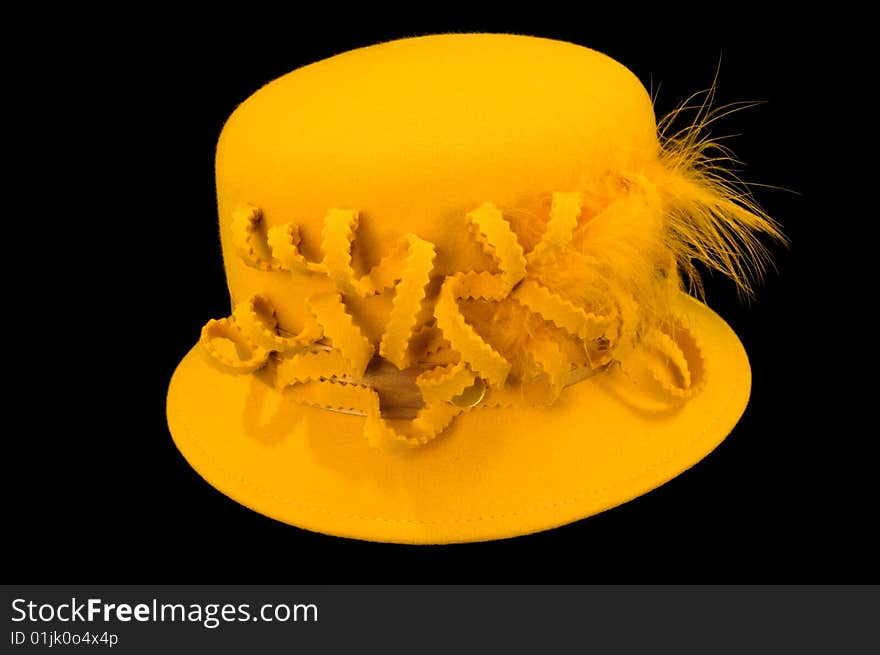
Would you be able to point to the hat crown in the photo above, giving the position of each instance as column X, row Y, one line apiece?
column 415, row 133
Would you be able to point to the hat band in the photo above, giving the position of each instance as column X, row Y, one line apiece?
column 431, row 371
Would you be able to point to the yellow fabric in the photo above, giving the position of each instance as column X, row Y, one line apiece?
column 326, row 368
column 414, row 135
column 490, row 205
column 225, row 346
column 496, row 238
column 321, row 373
column 438, row 387
column 498, row 473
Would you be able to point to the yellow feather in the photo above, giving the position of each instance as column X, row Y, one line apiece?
column 639, row 233
column 710, row 214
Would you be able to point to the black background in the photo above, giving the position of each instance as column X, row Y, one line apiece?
column 122, row 210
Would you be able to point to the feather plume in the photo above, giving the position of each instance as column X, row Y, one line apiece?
column 638, row 240
column 711, row 215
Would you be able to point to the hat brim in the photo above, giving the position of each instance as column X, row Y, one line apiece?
column 496, row 473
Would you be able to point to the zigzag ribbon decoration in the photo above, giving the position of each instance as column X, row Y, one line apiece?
column 325, row 363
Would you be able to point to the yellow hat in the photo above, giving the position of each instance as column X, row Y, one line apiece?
column 455, row 265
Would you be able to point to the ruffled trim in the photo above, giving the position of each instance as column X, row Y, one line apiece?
column 326, row 363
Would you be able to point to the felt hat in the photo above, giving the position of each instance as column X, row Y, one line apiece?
column 459, row 269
